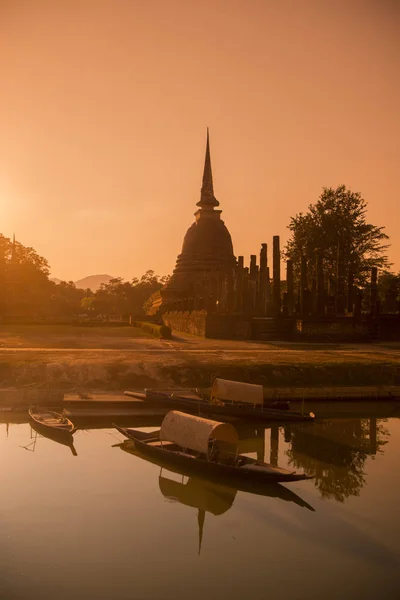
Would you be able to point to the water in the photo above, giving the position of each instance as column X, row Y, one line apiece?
column 106, row 524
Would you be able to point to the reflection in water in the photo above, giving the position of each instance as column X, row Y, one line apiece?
column 59, row 437
column 208, row 495
column 64, row 440
column 336, row 451
column 114, row 500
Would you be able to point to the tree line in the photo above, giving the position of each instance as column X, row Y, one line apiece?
column 26, row 291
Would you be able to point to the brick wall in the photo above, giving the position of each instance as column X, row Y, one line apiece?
column 201, row 323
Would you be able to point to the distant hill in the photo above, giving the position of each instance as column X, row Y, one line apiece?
column 93, row 282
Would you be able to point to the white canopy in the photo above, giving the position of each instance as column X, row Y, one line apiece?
column 189, row 431
column 236, row 391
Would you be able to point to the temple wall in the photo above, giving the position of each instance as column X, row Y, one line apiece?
column 204, row 324
column 186, row 321
column 337, row 328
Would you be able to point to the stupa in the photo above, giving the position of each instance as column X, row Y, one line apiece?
column 204, row 269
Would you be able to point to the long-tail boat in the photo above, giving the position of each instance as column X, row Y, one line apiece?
column 227, row 399
column 207, row 447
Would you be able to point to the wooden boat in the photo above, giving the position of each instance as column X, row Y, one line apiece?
column 169, row 396
column 50, row 421
column 207, row 447
column 272, row 490
column 227, row 399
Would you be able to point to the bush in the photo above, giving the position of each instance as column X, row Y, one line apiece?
column 161, row 331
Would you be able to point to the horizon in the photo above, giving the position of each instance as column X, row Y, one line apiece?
column 103, row 139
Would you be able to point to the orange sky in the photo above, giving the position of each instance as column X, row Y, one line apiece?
column 104, row 106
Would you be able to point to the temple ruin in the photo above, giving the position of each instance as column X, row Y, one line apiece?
column 213, row 294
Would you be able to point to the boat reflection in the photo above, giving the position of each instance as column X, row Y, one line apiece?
column 207, row 495
column 204, row 495
column 64, row 440
column 336, row 450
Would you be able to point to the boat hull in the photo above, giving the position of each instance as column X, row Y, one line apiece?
column 270, row 489
column 201, row 407
column 59, row 429
column 206, row 467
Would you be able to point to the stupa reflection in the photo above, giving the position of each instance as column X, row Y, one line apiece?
column 207, row 495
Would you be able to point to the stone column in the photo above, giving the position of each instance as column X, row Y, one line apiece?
column 253, row 283
column 239, row 285
column 246, row 298
column 262, row 287
column 253, row 265
column 276, row 258
column 289, row 284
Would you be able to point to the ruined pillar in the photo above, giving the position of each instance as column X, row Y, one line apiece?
column 340, row 282
column 276, row 263
column 246, row 297
column 269, row 303
column 253, row 276
column 239, row 285
column 262, row 282
column 253, row 265
column 374, row 291
column 289, row 286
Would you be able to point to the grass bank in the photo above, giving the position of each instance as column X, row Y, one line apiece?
column 116, row 370
column 70, row 336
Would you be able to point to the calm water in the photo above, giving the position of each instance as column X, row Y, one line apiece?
column 107, row 524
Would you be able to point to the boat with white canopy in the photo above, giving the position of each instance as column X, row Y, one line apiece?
column 206, row 447
column 227, row 399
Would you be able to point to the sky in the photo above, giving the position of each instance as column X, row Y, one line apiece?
column 104, row 106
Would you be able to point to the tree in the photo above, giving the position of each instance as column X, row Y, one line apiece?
column 123, row 298
column 66, row 299
column 338, row 219
column 25, row 282
column 389, row 291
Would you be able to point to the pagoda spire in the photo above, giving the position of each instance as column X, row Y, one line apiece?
column 207, row 198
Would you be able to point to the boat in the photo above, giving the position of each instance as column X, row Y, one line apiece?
column 207, row 447
column 51, row 422
column 168, row 396
column 228, row 399
column 272, row 490
column 52, row 425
